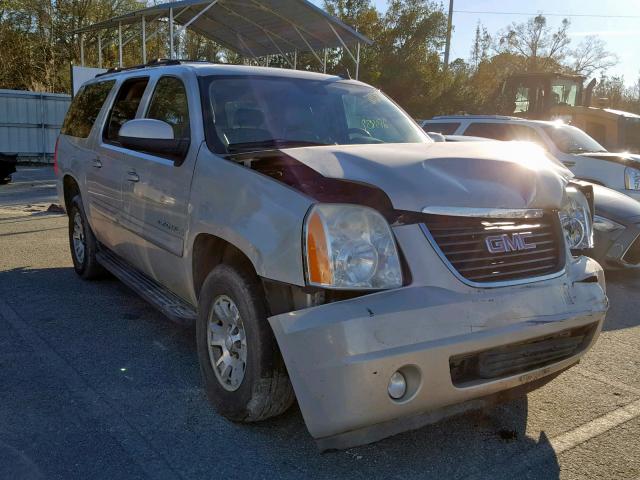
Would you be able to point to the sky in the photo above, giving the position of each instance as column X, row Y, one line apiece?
column 588, row 17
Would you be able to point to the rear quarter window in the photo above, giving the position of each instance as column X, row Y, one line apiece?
column 445, row 128
column 504, row 131
column 85, row 108
column 496, row 131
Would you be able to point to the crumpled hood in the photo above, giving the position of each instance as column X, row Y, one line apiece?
column 469, row 174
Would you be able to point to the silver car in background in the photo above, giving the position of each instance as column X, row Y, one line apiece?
column 579, row 152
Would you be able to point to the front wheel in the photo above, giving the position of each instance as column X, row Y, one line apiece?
column 82, row 242
column 243, row 372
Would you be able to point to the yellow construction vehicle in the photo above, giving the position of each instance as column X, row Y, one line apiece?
column 549, row 96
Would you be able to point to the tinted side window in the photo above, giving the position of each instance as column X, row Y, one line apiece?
column 85, row 108
column 445, row 128
column 169, row 104
column 504, row 131
column 125, row 107
column 497, row 131
column 525, row 134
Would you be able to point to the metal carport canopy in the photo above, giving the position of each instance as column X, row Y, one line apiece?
column 252, row 28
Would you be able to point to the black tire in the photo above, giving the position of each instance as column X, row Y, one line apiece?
column 6, row 180
column 265, row 390
column 87, row 265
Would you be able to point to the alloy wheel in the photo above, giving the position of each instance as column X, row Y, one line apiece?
column 79, row 245
column 227, row 343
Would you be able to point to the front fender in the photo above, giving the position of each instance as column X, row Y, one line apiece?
column 258, row 215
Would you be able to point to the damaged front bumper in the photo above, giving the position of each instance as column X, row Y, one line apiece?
column 341, row 356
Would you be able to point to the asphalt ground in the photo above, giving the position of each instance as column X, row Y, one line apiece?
column 94, row 383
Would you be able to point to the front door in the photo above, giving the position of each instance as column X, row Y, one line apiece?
column 110, row 166
column 156, row 187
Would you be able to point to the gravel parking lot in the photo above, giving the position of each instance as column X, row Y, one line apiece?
column 96, row 384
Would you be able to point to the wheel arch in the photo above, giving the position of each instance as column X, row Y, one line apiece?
column 209, row 251
column 70, row 188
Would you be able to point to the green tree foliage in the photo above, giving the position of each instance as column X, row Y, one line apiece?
column 35, row 46
column 612, row 93
column 405, row 60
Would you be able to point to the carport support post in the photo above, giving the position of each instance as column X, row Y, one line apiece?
column 171, row 34
column 144, row 39
column 120, row 44
column 324, row 64
column 82, row 49
column 358, row 61
column 295, row 59
column 99, row 51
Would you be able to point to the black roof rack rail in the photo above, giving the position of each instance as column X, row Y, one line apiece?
column 158, row 62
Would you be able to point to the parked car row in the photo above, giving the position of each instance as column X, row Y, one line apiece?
column 325, row 248
column 584, row 156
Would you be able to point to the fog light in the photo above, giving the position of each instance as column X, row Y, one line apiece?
column 397, row 386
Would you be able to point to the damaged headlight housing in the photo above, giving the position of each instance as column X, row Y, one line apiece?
column 350, row 247
column 575, row 217
column 631, row 178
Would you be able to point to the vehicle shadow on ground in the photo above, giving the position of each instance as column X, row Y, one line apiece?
column 623, row 300
column 145, row 369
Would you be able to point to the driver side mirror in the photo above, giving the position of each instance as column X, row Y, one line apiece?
column 155, row 137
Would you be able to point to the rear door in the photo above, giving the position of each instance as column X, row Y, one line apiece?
column 156, row 187
column 109, row 166
column 77, row 146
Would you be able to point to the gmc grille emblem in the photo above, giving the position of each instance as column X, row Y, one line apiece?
column 506, row 243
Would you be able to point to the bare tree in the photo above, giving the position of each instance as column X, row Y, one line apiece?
column 481, row 46
column 591, row 55
column 541, row 47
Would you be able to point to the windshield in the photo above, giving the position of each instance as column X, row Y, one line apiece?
column 564, row 93
column 251, row 113
column 570, row 139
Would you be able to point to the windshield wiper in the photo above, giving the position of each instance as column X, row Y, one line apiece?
column 270, row 144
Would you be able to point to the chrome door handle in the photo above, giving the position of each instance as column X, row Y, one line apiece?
column 97, row 163
column 133, row 177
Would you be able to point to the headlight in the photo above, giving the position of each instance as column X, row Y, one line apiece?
column 350, row 247
column 575, row 216
column 631, row 178
column 603, row 224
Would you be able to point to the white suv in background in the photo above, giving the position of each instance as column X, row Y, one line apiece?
column 585, row 157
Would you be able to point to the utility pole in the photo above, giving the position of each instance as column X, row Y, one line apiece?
column 447, row 48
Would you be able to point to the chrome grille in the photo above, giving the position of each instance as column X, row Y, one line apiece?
column 464, row 242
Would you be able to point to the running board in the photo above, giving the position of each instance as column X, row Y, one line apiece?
column 167, row 302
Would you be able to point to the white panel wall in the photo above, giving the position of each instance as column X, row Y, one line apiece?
column 30, row 123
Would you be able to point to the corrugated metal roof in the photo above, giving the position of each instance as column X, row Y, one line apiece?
column 253, row 28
